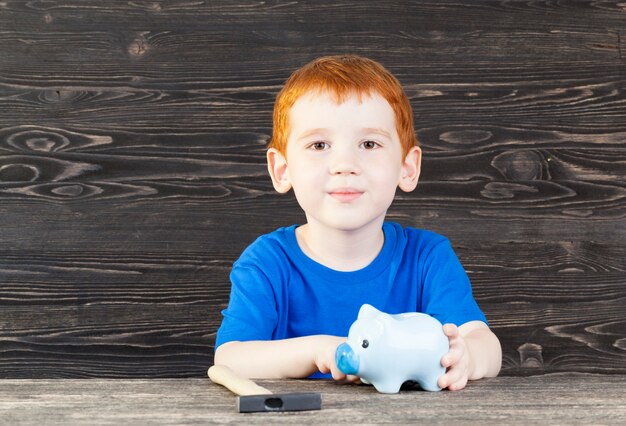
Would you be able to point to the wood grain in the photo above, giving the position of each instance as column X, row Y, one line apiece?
column 554, row 399
column 132, row 169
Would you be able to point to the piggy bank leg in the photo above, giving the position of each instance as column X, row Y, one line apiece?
column 388, row 386
column 429, row 382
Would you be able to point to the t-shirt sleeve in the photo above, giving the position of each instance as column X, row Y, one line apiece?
column 447, row 292
column 251, row 312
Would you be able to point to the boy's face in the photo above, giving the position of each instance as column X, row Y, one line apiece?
column 343, row 161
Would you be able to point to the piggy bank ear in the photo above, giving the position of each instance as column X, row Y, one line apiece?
column 368, row 311
column 386, row 321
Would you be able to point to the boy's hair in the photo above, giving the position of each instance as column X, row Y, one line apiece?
column 342, row 76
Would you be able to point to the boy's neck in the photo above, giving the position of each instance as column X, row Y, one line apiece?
column 341, row 250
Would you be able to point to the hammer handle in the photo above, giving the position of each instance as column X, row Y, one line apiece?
column 226, row 377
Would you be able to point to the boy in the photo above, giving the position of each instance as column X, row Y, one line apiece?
column 343, row 140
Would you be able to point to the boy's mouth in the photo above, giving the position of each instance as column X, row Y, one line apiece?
column 345, row 195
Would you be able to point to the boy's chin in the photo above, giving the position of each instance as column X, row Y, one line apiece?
column 348, row 224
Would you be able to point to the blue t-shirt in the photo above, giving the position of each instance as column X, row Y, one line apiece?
column 278, row 292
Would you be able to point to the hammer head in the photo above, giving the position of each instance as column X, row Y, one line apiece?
column 299, row 401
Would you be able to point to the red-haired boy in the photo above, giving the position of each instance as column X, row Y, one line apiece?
column 343, row 140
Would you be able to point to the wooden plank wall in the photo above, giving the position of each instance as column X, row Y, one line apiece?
column 132, row 172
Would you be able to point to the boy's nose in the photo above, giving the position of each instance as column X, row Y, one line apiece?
column 344, row 163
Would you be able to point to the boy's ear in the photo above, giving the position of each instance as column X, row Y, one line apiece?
column 411, row 168
column 277, row 166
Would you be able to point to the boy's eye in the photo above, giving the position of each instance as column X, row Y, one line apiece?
column 319, row 146
column 370, row 145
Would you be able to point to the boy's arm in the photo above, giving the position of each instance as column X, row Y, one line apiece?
column 276, row 359
column 475, row 352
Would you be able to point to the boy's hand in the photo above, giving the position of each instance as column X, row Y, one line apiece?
column 457, row 360
column 325, row 358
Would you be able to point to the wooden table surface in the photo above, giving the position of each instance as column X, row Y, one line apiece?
column 549, row 399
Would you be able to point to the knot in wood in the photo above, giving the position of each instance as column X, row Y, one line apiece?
column 530, row 355
column 520, row 165
column 18, row 173
column 72, row 190
column 38, row 140
column 466, row 137
column 58, row 95
column 138, row 47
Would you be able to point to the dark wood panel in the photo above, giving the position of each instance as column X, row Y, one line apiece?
column 178, row 84
column 453, row 141
column 504, row 163
column 580, row 108
column 447, row 15
column 132, row 173
column 194, row 226
column 131, row 50
column 71, row 314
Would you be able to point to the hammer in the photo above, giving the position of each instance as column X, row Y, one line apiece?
column 254, row 398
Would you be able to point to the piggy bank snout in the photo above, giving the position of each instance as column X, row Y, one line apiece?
column 346, row 359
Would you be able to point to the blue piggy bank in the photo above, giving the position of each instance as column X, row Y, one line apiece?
column 387, row 350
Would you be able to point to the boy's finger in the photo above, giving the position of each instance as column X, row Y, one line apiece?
column 452, row 357
column 452, row 377
column 444, row 381
column 338, row 375
column 353, row 379
column 450, row 330
column 459, row 384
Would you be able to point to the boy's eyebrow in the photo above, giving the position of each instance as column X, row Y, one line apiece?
column 377, row 130
column 366, row 130
column 312, row 132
